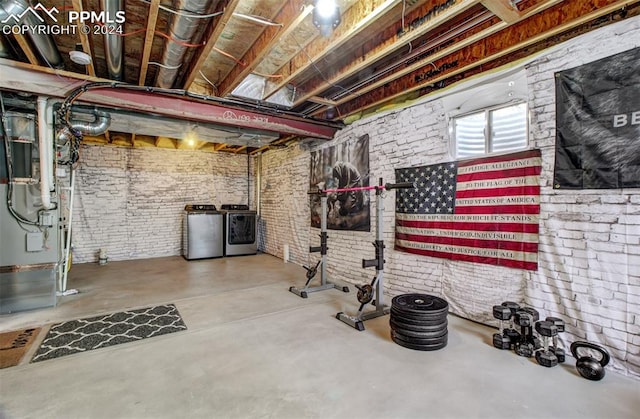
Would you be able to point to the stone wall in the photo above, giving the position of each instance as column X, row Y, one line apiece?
column 589, row 257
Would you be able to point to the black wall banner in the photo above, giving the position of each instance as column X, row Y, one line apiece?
column 598, row 124
column 344, row 165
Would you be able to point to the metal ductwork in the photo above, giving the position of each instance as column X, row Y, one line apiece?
column 99, row 125
column 183, row 28
column 12, row 12
column 4, row 49
column 113, row 49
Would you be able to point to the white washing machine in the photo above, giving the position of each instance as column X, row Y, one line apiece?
column 240, row 230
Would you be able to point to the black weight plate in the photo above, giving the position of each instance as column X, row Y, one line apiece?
column 419, row 323
column 399, row 325
column 420, row 335
column 420, row 303
column 421, row 318
column 427, row 347
column 427, row 336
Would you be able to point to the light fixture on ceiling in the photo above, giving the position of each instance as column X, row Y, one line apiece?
column 326, row 16
column 80, row 57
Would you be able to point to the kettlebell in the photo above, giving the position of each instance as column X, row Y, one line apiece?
column 589, row 367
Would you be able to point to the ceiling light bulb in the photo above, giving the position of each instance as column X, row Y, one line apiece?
column 80, row 57
column 326, row 8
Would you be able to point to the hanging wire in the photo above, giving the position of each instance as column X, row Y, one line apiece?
column 257, row 19
column 184, row 14
column 215, row 88
column 168, row 67
column 226, row 54
column 316, row 67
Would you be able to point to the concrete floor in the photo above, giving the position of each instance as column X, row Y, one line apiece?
column 255, row 350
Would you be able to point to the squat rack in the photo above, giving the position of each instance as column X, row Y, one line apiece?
column 367, row 292
column 311, row 271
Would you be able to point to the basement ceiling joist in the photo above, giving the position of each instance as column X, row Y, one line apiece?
column 383, row 52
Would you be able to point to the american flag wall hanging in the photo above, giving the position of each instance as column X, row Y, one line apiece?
column 484, row 210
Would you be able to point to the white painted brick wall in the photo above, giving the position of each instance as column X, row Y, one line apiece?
column 589, row 257
column 285, row 204
column 590, row 237
column 130, row 201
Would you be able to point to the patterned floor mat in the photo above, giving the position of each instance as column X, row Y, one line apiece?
column 112, row 329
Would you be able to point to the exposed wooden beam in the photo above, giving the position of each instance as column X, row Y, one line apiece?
column 84, row 39
column 574, row 14
column 201, row 145
column 269, row 38
column 259, row 150
column 504, row 9
column 318, row 84
column 154, row 6
column 219, row 146
column 239, row 149
column 26, row 48
column 428, row 61
column 211, row 42
column 355, row 20
column 322, row 101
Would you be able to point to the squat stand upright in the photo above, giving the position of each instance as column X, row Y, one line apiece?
column 311, row 271
column 366, row 292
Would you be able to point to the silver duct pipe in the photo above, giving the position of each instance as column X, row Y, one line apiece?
column 4, row 50
column 183, row 29
column 113, row 50
column 43, row 43
column 99, row 125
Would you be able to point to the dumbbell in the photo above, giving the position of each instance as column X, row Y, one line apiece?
column 545, row 356
column 514, row 335
column 560, row 354
column 503, row 314
column 526, row 318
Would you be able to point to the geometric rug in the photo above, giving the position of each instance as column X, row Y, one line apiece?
column 107, row 330
column 13, row 345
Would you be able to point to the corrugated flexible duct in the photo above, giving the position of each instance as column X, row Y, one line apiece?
column 182, row 29
column 43, row 43
column 98, row 126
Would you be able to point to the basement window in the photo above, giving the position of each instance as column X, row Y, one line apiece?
column 493, row 130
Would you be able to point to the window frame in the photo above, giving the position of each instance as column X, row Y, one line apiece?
column 487, row 130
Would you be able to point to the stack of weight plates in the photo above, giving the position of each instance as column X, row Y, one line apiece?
column 419, row 321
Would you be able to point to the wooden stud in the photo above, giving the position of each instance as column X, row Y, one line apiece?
column 356, row 19
column 504, row 9
column 583, row 14
column 322, row 101
column 26, row 48
column 269, row 38
column 383, row 50
column 211, row 42
column 84, row 39
column 154, row 6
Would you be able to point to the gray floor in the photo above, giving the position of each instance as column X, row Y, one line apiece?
column 255, row 350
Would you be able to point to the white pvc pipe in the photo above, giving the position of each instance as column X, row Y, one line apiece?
column 46, row 162
column 50, row 149
column 68, row 244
